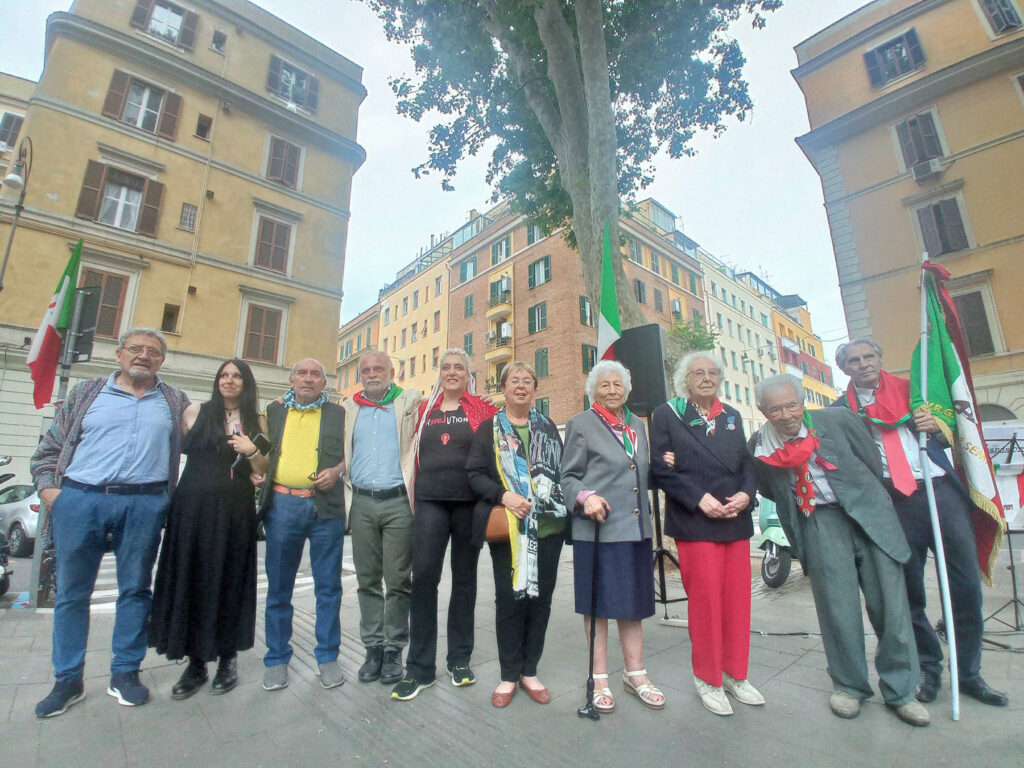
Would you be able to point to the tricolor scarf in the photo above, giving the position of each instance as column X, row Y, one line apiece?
column 679, row 405
column 289, row 400
column 535, row 478
column 890, row 409
column 361, row 398
column 620, row 426
column 776, row 451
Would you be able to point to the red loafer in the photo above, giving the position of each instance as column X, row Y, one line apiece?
column 502, row 700
column 539, row 695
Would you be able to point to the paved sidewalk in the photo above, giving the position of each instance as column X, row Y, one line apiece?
column 358, row 724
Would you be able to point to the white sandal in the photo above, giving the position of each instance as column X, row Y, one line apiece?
column 606, row 692
column 645, row 691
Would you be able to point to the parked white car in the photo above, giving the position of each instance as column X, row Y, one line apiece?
column 19, row 515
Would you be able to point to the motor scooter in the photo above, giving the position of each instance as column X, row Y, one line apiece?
column 777, row 557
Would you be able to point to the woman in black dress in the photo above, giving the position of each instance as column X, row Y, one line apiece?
column 204, row 600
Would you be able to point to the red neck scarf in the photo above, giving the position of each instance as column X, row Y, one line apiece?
column 890, row 409
column 796, row 454
column 619, row 425
column 364, row 400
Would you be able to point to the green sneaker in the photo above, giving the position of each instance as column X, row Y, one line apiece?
column 461, row 675
column 409, row 688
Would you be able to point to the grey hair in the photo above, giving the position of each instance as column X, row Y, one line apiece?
column 323, row 369
column 153, row 333
column 608, row 366
column 367, row 353
column 682, row 368
column 843, row 351
column 775, row 383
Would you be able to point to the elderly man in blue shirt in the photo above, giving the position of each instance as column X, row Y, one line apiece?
column 108, row 465
column 380, row 425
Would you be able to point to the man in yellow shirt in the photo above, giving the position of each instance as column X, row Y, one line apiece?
column 301, row 499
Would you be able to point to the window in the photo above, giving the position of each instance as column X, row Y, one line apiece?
column 219, row 43
column 113, row 288
column 283, row 162
column 437, row 325
column 810, row 350
column 675, row 274
column 438, row 285
column 187, row 221
column 272, row 245
column 746, row 395
column 677, row 308
column 405, row 306
column 435, row 356
column 589, row 357
column 204, row 124
column 537, row 315
column 942, row 227
column 501, row 250
column 142, row 105
column 403, row 335
column 725, row 296
column 412, row 366
column 743, row 306
column 262, row 332
column 533, row 234
column 296, row 86
column 693, row 282
column 387, row 315
column 714, row 289
column 728, row 390
column 919, row 141
column 540, row 362
column 359, row 342
column 467, row 269
column 659, row 301
column 415, row 299
column 10, row 127
column 467, row 343
column 728, row 323
column 655, row 263
column 167, row 21
column 640, row 288
column 413, row 335
column 540, row 271
column 1002, row 16
column 974, row 323
column 369, row 335
column 346, row 351
column 169, row 322
column 123, row 200
column 698, row 318
column 735, row 365
column 543, row 405
column 764, row 320
column 719, row 321
column 469, row 305
column 635, row 252
column 586, row 313
column 894, row 58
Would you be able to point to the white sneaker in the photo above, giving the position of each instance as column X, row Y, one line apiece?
column 713, row 698
column 744, row 692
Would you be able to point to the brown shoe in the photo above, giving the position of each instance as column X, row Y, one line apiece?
column 502, row 700
column 539, row 695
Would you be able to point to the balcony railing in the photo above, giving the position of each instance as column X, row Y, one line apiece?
column 502, row 297
column 499, row 342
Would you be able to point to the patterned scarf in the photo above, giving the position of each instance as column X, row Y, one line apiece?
column 534, row 478
column 679, row 405
column 890, row 409
column 289, row 400
column 622, row 427
column 361, row 398
column 777, row 451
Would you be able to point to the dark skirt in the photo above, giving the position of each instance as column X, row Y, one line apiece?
column 625, row 579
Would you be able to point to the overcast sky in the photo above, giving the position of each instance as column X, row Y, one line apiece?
column 750, row 197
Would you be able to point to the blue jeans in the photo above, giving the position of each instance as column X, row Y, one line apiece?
column 289, row 522
column 81, row 522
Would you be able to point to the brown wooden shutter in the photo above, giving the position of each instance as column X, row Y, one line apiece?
column 290, row 172
column 141, row 14
column 929, row 230
column 312, row 93
column 274, row 75
column 152, row 197
column 282, row 235
column 170, row 111
column 275, row 166
column 265, row 243
column 92, row 188
column 956, row 235
column 187, row 33
column 113, row 105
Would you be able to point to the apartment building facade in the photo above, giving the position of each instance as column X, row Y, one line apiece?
column 361, row 334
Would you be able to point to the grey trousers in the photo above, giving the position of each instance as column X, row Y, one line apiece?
column 839, row 559
column 382, row 552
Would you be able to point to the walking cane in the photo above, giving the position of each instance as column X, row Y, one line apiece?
column 588, row 709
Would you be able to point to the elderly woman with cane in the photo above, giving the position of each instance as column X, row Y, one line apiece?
column 514, row 466
column 604, row 475
column 700, row 460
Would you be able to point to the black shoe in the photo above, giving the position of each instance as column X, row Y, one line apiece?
column 370, row 670
column 391, row 669
column 980, row 690
column 461, row 675
column 127, row 689
column 928, row 688
column 227, row 675
column 64, row 694
column 191, row 680
column 409, row 688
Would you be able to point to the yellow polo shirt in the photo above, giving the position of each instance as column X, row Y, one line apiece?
column 299, row 448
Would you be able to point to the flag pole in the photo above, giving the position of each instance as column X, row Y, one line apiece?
column 926, row 471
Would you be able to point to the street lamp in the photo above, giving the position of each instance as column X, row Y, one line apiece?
column 17, row 179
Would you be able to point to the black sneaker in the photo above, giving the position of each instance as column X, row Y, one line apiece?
column 391, row 669
column 64, row 694
column 461, row 675
column 410, row 688
column 126, row 688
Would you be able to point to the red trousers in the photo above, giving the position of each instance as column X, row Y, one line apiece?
column 716, row 576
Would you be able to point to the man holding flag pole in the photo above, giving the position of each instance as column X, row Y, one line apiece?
column 955, row 512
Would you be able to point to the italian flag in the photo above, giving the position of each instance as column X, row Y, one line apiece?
column 951, row 400
column 609, row 329
column 45, row 351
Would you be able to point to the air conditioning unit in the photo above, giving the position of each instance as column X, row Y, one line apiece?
column 491, row 335
column 927, row 170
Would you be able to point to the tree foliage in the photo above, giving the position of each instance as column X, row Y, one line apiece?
column 691, row 336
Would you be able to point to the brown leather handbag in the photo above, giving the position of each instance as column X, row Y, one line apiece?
column 497, row 524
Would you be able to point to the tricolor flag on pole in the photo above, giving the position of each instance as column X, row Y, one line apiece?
column 609, row 329
column 45, row 351
column 951, row 400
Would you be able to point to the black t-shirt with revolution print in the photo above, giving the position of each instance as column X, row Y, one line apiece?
column 444, row 448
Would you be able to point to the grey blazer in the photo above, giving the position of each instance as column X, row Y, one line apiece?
column 594, row 460
column 846, row 443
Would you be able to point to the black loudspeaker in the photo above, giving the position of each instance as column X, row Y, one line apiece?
column 642, row 351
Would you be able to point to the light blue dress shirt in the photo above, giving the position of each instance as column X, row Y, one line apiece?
column 376, row 456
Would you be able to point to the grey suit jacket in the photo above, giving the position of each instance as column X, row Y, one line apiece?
column 594, row 460
column 845, row 443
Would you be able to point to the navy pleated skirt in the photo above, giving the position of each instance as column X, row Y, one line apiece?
column 625, row 579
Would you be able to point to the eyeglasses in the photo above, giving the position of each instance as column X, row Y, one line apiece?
column 138, row 349
column 711, row 373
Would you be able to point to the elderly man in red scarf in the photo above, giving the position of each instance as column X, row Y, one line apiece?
column 825, row 478
column 882, row 401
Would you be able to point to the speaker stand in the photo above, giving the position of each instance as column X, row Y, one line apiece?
column 1016, row 602
column 661, row 554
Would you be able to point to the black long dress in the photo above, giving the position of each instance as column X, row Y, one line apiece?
column 204, row 599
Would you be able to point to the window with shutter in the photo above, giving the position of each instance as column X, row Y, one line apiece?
column 468, row 305
column 919, row 140
column 894, row 58
column 272, row 245
column 655, row 263
column 589, row 357
column 640, row 289
column 540, row 271
column 635, row 252
column 467, row 269
column 262, row 333
column 942, row 227
column 467, row 343
column 974, row 325
column 501, row 250
column 294, row 85
column 10, row 127
column 113, row 288
column 537, row 317
column 142, row 105
column 675, row 274
column 659, row 301
column 586, row 313
column 121, row 202
column 283, row 162
column 540, row 362
column 168, row 21
column 1002, row 15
